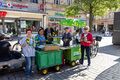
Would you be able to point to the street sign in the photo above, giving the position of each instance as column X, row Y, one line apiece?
column 3, row 14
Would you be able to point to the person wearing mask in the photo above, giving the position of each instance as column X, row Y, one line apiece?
column 66, row 38
column 40, row 39
column 85, row 41
column 28, row 50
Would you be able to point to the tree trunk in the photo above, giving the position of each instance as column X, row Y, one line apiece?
column 90, row 18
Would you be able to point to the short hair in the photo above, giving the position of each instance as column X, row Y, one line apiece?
column 86, row 28
column 28, row 30
column 40, row 30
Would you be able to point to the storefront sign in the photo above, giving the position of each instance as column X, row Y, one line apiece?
column 72, row 22
column 10, row 5
column 19, row 6
column 3, row 13
column 13, row 5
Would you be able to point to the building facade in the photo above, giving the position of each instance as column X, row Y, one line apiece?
column 105, row 22
column 56, row 9
column 21, row 14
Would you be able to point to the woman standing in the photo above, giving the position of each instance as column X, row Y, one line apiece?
column 40, row 39
column 28, row 50
column 86, row 40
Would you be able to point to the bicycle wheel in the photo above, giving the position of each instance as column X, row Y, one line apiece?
column 17, row 47
column 94, row 51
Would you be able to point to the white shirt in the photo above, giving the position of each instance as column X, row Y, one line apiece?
column 78, row 36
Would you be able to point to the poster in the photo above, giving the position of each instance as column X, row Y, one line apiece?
column 23, row 24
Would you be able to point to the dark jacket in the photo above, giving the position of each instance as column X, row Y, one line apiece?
column 49, row 35
column 66, row 38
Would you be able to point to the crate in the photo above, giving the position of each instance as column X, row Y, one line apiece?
column 72, row 54
column 46, row 59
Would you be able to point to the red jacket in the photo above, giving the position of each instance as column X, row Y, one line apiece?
column 89, row 38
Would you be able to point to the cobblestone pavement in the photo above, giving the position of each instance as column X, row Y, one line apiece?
column 105, row 66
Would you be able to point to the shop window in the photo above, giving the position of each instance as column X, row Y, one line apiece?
column 57, row 2
column 34, row 1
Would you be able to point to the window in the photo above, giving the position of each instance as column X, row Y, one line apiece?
column 69, row 2
column 34, row 1
column 57, row 2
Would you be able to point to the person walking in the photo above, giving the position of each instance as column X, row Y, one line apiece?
column 86, row 41
column 28, row 50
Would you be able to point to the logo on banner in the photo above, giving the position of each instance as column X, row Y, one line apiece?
column 0, row 4
column 3, row 14
column 9, row 5
column 13, row 5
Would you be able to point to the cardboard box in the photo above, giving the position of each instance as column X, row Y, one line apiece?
column 51, row 48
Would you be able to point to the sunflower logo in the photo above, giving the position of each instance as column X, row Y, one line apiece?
column 28, row 40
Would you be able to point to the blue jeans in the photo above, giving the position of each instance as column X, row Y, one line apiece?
column 28, row 65
column 83, row 48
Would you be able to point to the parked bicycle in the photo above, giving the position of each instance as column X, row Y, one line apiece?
column 95, row 46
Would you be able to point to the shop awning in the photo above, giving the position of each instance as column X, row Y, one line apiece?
column 23, row 15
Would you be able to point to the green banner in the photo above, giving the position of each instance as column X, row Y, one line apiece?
column 71, row 23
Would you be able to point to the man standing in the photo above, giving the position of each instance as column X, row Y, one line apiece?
column 66, row 38
column 86, row 40
column 49, row 33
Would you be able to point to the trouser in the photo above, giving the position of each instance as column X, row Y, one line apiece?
column 83, row 48
column 28, row 65
column 66, row 44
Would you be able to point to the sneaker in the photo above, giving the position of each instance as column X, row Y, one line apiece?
column 88, row 66
column 82, row 66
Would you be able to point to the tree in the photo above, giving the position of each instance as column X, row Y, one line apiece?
column 92, row 7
